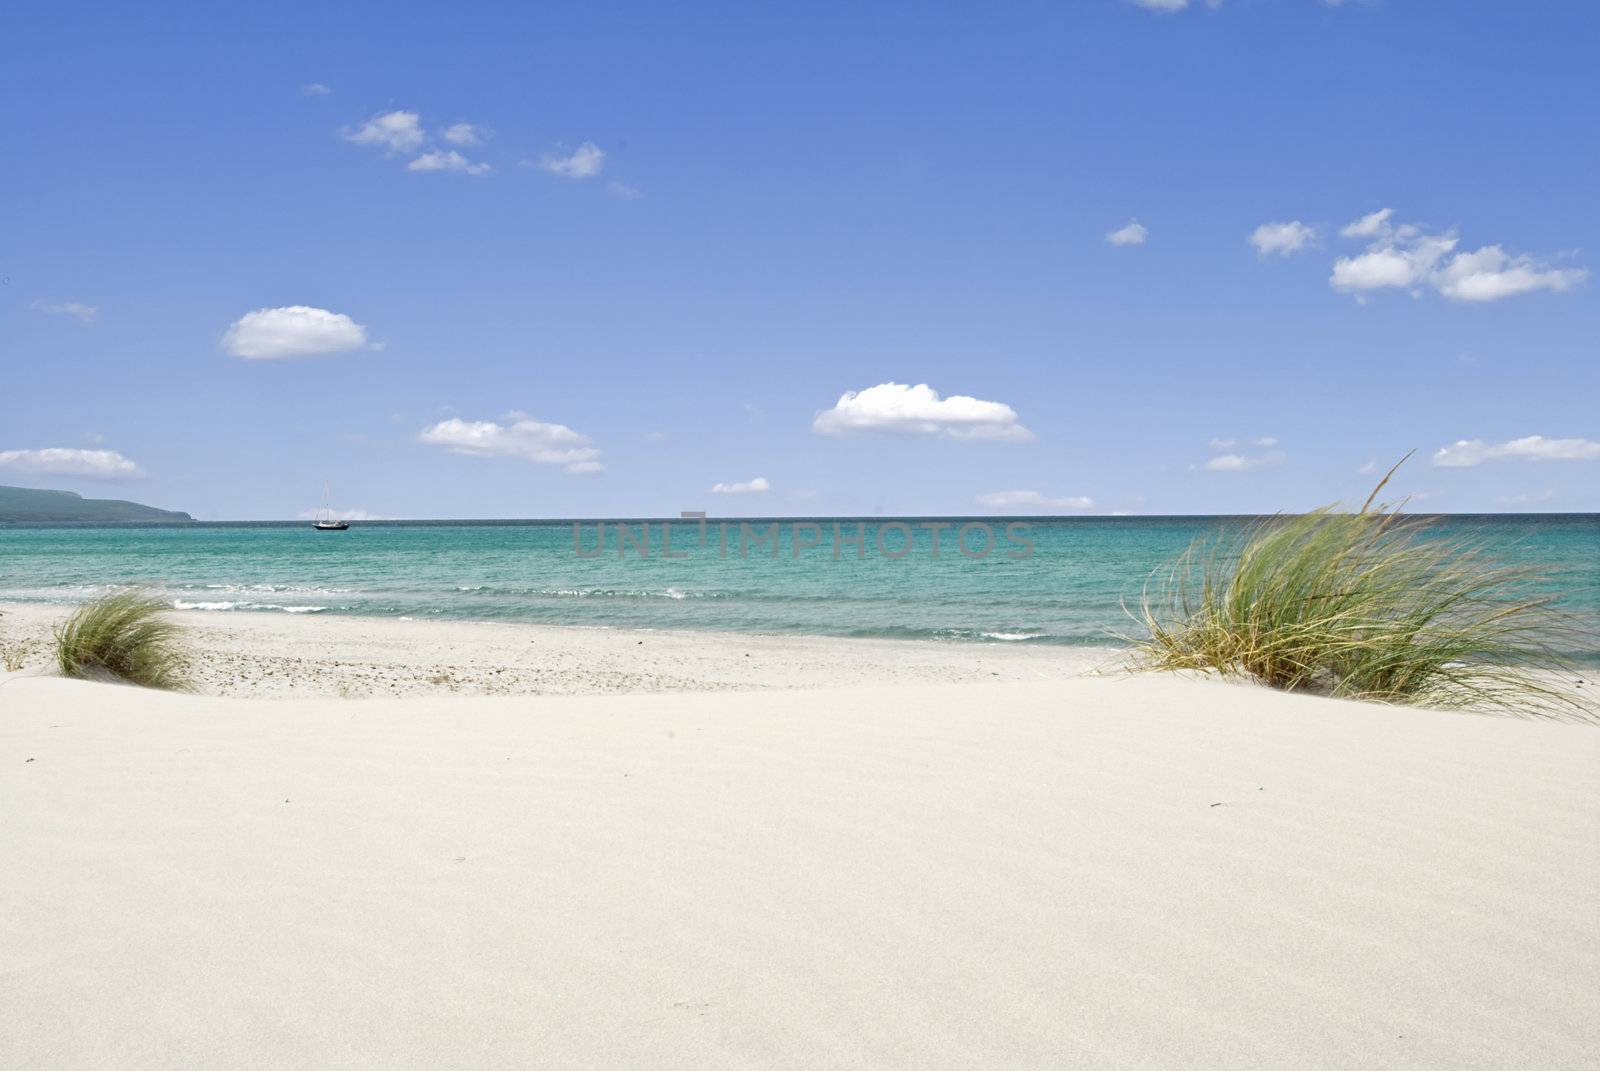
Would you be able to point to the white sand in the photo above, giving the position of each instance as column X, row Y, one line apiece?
column 1066, row 873
column 282, row 655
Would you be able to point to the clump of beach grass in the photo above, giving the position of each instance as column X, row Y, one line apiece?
column 126, row 636
column 14, row 654
column 1369, row 605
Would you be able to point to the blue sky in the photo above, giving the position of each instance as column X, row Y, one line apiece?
column 674, row 237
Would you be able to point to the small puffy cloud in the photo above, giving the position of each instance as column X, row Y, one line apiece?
column 65, row 461
column 745, row 487
column 584, row 162
column 465, row 135
column 1407, row 257
column 918, row 410
column 1528, row 499
column 1282, row 239
column 624, row 191
column 1491, row 274
column 1370, row 225
column 1133, row 234
column 314, row 89
column 86, row 314
column 446, row 161
column 292, row 331
column 520, row 437
column 1469, row 452
column 1235, row 461
column 1014, row 500
column 1402, row 257
column 1239, row 462
column 393, row 131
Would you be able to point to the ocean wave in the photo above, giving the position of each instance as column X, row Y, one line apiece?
column 968, row 635
column 184, row 604
column 269, row 589
column 596, row 593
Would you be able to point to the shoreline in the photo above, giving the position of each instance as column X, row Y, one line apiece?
column 280, row 655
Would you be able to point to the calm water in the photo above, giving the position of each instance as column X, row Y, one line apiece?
column 1069, row 590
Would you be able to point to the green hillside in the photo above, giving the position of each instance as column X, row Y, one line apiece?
column 31, row 504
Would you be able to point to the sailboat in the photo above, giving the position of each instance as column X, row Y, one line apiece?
column 327, row 520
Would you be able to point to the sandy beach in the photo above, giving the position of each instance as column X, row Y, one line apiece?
column 266, row 655
column 918, row 868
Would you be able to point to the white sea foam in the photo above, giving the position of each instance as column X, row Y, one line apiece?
column 183, row 604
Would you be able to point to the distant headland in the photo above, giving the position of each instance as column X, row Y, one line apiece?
column 22, row 505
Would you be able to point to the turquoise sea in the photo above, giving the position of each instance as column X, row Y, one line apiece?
column 1068, row 589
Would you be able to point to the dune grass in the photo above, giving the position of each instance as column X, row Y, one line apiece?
column 1366, row 605
column 126, row 636
column 14, row 654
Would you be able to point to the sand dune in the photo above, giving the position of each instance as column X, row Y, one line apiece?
column 1134, row 873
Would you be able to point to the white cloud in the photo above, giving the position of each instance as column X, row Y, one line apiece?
column 76, row 309
column 446, row 161
column 1282, row 239
column 1403, row 257
column 1133, row 234
column 1370, row 225
column 1468, row 452
column 1527, row 500
column 314, row 89
column 464, row 134
column 1243, row 462
column 624, row 191
column 64, row 461
column 918, row 410
column 1491, row 274
column 1009, row 500
column 292, row 331
column 529, row 440
column 1407, row 257
column 1229, row 444
column 585, row 162
column 746, row 487
column 394, row 131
